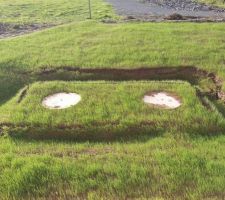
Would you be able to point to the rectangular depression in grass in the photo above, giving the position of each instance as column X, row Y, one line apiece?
column 107, row 110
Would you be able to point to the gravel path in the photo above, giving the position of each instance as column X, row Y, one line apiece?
column 166, row 8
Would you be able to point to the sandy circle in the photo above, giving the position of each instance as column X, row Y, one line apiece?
column 163, row 100
column 61, row 100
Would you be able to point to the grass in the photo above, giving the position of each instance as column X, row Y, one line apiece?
column 220, row 3
column 51, row 11
column 175, row 160
column 130, row 45
column 115, row 109
column 95, row 45
column 162, row 167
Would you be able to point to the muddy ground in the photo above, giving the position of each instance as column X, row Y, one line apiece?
column 163, row 8
column 12, row 30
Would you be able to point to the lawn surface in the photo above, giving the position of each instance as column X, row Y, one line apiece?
column 129, row 45
column 111, row 110
column 51, row 11
column 185, row 161
column 160, row 168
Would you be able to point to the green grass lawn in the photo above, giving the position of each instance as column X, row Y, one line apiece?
column 110, row 110
column 51, row 11
column 96, row 45
column 129, row 45
column 178, row 155
column 159, row 168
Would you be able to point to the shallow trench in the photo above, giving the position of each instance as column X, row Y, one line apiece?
column 191, row 74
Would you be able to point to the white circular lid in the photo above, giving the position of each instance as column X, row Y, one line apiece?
column 61, row 100
column 162, row 99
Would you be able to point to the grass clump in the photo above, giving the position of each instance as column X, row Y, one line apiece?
column 220, row 3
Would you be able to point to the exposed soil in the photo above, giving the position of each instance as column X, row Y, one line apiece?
column 161, row 9
column 188, row 73
column 12, row 30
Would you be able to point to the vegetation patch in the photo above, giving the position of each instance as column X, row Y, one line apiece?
column 108, row 110
column 180, row 163
column 93, row 45
column 220, row 3
column 51, row 11
column 18, row 17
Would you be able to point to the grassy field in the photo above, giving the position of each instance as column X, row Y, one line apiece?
column 177, row 164
column 129, row 45
column 179, row 155
column 51, row 11
column 161, row 167
column 112, row 110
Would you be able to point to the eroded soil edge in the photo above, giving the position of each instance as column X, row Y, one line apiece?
column 191, row 74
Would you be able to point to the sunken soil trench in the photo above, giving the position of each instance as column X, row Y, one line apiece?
column 191, row 74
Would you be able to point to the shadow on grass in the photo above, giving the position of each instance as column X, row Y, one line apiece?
column 110, row 134
column 10, row 85
column 90, row 134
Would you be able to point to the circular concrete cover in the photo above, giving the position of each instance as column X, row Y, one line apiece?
column 61, row 100
column 163, row 100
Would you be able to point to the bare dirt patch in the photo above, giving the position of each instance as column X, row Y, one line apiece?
column 12, row 30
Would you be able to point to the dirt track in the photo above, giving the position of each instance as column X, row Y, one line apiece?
column 12, row 30
column 159, row 8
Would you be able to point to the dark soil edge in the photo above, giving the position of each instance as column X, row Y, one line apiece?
column 187, row 73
